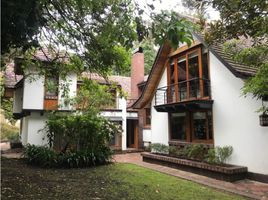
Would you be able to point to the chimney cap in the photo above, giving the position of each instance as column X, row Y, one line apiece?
column 138, row 50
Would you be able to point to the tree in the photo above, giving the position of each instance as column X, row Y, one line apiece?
column 149, row 51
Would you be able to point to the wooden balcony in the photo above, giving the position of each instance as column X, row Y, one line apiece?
column 185, row 95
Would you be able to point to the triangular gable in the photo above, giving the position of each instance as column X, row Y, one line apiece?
column 154, row 76
column 239, row 70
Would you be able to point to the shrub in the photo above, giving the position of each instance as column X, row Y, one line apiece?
column 219, row 155
column 172, row 150
column 9, row 132
column 41, row 156
column 46, row 157
column 82, row 139
column 159, row 148
column 195, row 151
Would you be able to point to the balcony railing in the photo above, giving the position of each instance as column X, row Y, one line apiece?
column 193, row 89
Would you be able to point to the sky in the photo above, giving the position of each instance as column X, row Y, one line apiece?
column 176, row 5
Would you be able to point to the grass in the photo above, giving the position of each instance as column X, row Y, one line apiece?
column 115, row 181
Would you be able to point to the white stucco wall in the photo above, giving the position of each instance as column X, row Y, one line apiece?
column 36, row 122
column 124, row 124
column 235, row 120
column 33, row 93
column 71, row 82
column 18, row 99
column 147, row 135
column 159, row 120
column 24, row 130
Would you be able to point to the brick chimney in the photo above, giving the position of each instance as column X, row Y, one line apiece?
column 137, row 72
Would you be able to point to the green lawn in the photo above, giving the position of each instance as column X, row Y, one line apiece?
column 115, row 181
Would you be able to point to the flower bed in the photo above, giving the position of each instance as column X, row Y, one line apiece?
column 229, row 173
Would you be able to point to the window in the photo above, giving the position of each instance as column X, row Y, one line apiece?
column 202, row 125
column 51, row 87
column 178, row 126
column 147, row 121
column 188, row 75
column 191, row 126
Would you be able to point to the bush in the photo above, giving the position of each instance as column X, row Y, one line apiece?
column 9, row 132
column 81, row 140
column 219, row 155
column 46, row 157
column 195, row 151
column 159, row 148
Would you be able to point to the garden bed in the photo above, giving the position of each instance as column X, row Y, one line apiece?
column 229, row 173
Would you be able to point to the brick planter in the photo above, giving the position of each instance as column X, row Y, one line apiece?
column 229, row 173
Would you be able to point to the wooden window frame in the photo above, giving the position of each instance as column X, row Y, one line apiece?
column 189, row 128
column 185, row 53
column 147, row 126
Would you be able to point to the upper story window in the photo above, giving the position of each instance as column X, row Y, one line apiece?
column 188, row 76
column 51, row 87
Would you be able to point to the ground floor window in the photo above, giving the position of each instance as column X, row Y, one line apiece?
column 191, row 126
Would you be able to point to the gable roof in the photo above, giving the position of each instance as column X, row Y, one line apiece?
column 238, row 69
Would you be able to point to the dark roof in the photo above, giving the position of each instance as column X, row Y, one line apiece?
column 238, row 69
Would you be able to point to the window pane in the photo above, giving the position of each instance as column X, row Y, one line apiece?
column 205, row 74
column 171, row 89
column 178, row 126
column 182, row 78
column 194, row 75
column 51, row 86
column 210, row 126
column 148, row 116
column 200, row 125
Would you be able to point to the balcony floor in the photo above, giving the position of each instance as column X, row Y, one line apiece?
column 185, row 106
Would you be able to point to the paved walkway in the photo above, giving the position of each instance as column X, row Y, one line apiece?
column 246, row 188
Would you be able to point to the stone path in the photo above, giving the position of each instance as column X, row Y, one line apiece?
column 246, row 188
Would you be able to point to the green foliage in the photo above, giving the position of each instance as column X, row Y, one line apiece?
column 254, row 56
column 41, row 156
column 167, row 26
column 20, row 22
column 149, row 54
column 9, row 132
column 46, row 157
column 219, row 155
column 159, row 148
column 84, row 139
column 242, row 18
column 92, row 96
column 6, row 104
column 195, row 151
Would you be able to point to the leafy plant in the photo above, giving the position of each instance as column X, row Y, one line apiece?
column 195, row 151
column 47, row 157
column 159, row 148
column 9, row 132
column 219, row 155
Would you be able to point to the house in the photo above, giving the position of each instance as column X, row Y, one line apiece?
column 33, row 100
column 193, row 96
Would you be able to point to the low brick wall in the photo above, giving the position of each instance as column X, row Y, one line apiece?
column 226, row 173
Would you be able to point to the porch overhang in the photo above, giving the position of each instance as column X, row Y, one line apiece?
column 184, row 106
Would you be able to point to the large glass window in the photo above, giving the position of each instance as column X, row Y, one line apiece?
column 202, row 125
column 191, row 126
column 189, row 75
column 178, row 126
column 182, row 77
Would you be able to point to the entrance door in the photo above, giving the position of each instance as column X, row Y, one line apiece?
column 132, row 133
